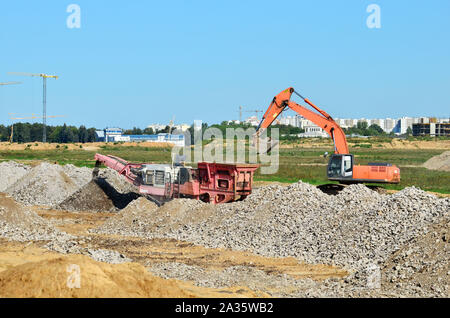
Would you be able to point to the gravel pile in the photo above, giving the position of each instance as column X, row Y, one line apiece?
column 142, row 218
column 10, row 173
column 80, row 176
column 355, row 229
column 90, row 197
column 115, row 180
column 46, row 184
column 422, row 267
column 18, row 223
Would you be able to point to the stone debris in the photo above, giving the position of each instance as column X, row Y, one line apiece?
column 108, row 256
column 142, row 218
column 18, row 223
column 46, row 184
column 90, row 197
column 80, row 176
column 10, row 173
column 356, row 229
column 404, row 236
column 71, row 246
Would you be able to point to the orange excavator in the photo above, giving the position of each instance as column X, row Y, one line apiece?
column 341, row 166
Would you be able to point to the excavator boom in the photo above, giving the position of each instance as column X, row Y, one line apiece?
column 320, row 118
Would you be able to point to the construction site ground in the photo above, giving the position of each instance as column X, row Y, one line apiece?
column 284, row 240
column 14, row 255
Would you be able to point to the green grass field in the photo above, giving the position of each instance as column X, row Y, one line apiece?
column 296, row 163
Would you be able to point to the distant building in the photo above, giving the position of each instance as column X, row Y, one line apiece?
column 100, row 135
column 435, row 129
column 177, row 140
column 111, row 133
column 314, row 131
column 253, row 120
column 159, row 127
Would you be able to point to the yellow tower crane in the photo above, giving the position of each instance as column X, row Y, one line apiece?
column 44, row 97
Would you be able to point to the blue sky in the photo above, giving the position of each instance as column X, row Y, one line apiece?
column 133, row 63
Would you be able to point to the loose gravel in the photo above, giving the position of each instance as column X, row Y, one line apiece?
column 18, row 223
column 356, row 229
column 10, row 173
column 46, row 184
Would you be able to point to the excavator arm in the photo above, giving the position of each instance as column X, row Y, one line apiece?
column 320, row 118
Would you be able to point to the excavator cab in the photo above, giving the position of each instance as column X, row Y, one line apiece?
column 340, row 167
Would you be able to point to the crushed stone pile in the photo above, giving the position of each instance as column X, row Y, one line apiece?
column 441, row 162
column 142, row 217
column 90, row 197
column 79, row 175
column 18, row 223
column 10, row 173
column 422, row 267
column 97, row 196
column 46, row 184
column 354, row 229
column 66, row 187
column 116, row 181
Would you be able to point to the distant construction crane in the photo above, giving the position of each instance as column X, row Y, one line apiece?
column 10, row 83
column 44, row 97
column 33, row 116
column 241, row 110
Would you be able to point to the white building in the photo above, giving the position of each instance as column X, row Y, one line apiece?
column 314, row 131
column 253, row 120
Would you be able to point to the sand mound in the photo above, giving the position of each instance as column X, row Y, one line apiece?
column 11, row 172
column 46, row 184
column 49, row 278
column 441, row 162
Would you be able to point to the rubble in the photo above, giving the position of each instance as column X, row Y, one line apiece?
column 11, row 172
column 18, row 223
column 404, row 236
column 355, row 229
column 46, row 184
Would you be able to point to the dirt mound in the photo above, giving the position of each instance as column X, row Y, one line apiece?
column 11, row 172
column 441, row 162
column 20, row 224
column 50, row 278
column 98, row 196
column 45, row 184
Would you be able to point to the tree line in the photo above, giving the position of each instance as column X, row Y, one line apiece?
column 362, row 128
column 26, row 132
